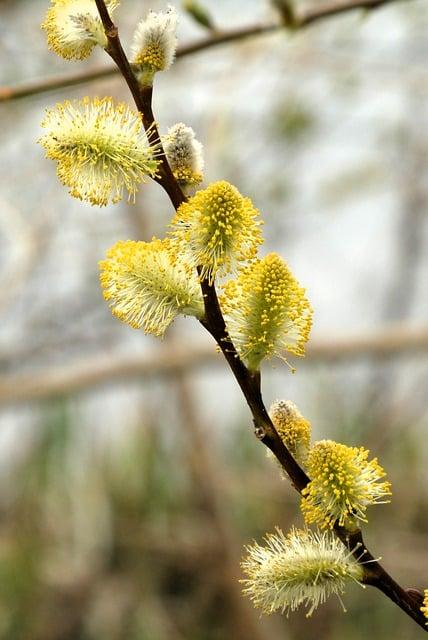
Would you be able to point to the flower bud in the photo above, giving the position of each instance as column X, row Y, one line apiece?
column 154, row 45
column 293, row 429
column 184, row 154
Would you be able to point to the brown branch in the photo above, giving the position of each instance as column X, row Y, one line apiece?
column 386, row 341
column 250, row 384
column 409, row 600
column 301, row 21
column 337, row 8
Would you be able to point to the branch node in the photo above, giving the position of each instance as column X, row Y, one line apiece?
column 112, row 32
column 260, row 433
column 416, row 595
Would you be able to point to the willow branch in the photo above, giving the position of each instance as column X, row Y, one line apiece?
column 214, row 323
column 300, row 21
column 340, row 7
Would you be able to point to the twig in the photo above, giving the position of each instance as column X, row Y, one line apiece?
column 223, row 37
column 337, row 8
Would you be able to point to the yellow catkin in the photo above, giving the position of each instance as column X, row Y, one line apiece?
column 343, row 484
column 293, row 429
column 100, row 148
column 266, row 311
column 302, row 568
column 217, row 229
column 424, row 608
column 147, row 286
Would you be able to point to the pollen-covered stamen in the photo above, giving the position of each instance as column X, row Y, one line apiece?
column 293, row 429
column 266, row 311
column 147, row 285
column 184, row 154
column 154, row 45
column 302, row 568
column 74, row 27
column 424, row 608
column 343, row 484
column 101, row 149
column 217, row 230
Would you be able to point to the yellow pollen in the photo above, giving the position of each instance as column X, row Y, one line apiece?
column 343, row 483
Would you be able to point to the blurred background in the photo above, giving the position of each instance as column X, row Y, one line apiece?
column 130, row 477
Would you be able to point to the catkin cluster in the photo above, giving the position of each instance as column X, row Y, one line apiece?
column 102, row 152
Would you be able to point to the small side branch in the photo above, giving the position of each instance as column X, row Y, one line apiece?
column 300, row 21
column 337, row 8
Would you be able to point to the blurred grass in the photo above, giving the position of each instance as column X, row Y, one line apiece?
column 120, row 543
